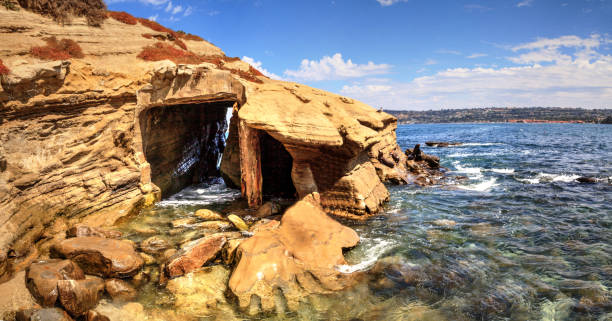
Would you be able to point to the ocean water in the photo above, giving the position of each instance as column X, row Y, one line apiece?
column 518, row 238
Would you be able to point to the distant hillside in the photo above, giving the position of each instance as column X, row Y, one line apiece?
column 504, row 114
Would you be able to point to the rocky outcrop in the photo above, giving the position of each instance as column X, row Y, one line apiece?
column 282, row 265
column 48, row 314
column 102, row 257
column 42, row 279
column 78, row 296
column 442, row 144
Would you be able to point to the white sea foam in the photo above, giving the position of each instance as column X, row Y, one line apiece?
column 529, row 180
column 480, row 187
column 372, row 254
column 502, row 170
column 547, row 178
column 460, row 155
column 203, row 194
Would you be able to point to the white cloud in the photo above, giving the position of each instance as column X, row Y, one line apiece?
column 169, row 7
column 448, row 52
column 335, row 67
column 151, row 2
column 525, row 3
column 258, row 65
column 154, row 18
column 580, row 77
column 188, row 11
column 476, row 55
column 386, row 3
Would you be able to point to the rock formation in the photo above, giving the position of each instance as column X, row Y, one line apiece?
column 92, row 139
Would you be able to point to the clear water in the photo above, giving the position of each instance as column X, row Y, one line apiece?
column 528, row 241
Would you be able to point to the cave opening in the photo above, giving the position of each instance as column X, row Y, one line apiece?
column 183, row 143
column 276, row 164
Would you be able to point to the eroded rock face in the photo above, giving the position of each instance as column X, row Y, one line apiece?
column 102, row 257
column 194, row 255
column 201, row 290
column 42, row 279
column 49, row 314
column 298, row 258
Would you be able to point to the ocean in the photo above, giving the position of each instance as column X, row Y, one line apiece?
column 516, row 238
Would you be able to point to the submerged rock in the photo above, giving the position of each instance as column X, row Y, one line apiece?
column 42, row 279
column 120, row 290
column 102, row 257
column 214, row 225
column 78, row 296
column 199, row 291
column 80, row 230
column 586, row 180
column 442, row 144
column 49, row 314
column 194, row 255
column 208, row 215
column 283, row 265
column 184, row 222
column 154, row 245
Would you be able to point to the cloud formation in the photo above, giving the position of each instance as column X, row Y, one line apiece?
column 567, row 71
column 334, row 68
column 525, row 3
column 386, row 3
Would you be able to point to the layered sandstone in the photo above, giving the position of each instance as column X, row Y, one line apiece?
column 90, row 140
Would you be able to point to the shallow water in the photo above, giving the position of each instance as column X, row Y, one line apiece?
column 522, row 239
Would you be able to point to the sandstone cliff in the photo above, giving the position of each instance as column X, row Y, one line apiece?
column 95, row 138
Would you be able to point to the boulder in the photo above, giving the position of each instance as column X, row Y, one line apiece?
column 154, row 245
column 194, row 255
column 238, row 222
column 102, row 257
column 586, row 180
column 49, row 314
column 95, row 316
column 298, row 258
column 120, row 290
column 42, row 279
column 36, row 78
column 213, row 225
column 183, row 222
column 442, row 144
column 208, row 215
column 268, row 209
column 79, row 296
column 199, row 291
column 83, row 230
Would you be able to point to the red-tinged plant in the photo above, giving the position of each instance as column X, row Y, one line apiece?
column 255, row 72
column 188, row 36
column 4, row 69
column 162, row 51
column 153, row 25
column 61, row 10
column 147, row 35
column 123, row 17
column 180, row 43
column 58, row 50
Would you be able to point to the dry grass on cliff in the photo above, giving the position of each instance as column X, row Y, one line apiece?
column 123, row 17
column 4, row 69
column 162, row 51
column 60, row 10
column 188, row 36
column 58, row 50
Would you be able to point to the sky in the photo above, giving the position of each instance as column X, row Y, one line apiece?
column 413, row 54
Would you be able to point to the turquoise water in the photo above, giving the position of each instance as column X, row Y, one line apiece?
column 529, row 243
column 517, row 239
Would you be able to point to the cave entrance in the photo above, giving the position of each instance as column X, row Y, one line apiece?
column 183, row 143
column 276, row 164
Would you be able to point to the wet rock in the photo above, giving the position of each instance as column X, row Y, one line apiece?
column 120, row 290
column 80, row 230
column 42, row 279
column 49, row 314
column 213, row 225
column 442, row 144
column 586, row 180
column 95, row 316
column 229, row 251
column 208, row 215
column 131, row 311
column 238, row 222
column 154, row 245
column 148, row 259
column 294, row 260
column 194, row 255
column 199, row 291
column 168, row 254
column 78, row 296
column 268, row 209
column 183, row 222
column 102, row 257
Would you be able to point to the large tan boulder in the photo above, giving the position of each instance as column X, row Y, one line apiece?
column 42, row 278
column 298, row 258
column 101, row 256
column 78, row 296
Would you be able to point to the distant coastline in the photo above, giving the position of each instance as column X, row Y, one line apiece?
column 506, row 115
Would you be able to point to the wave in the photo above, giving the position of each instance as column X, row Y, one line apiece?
column 480, row 187
column 202, row 194
column 547, row 178
column 460, row 155
column 502, row 170
column 467, row 170
column 371, row 256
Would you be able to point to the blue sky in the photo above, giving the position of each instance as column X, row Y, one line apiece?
column 414, row 54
